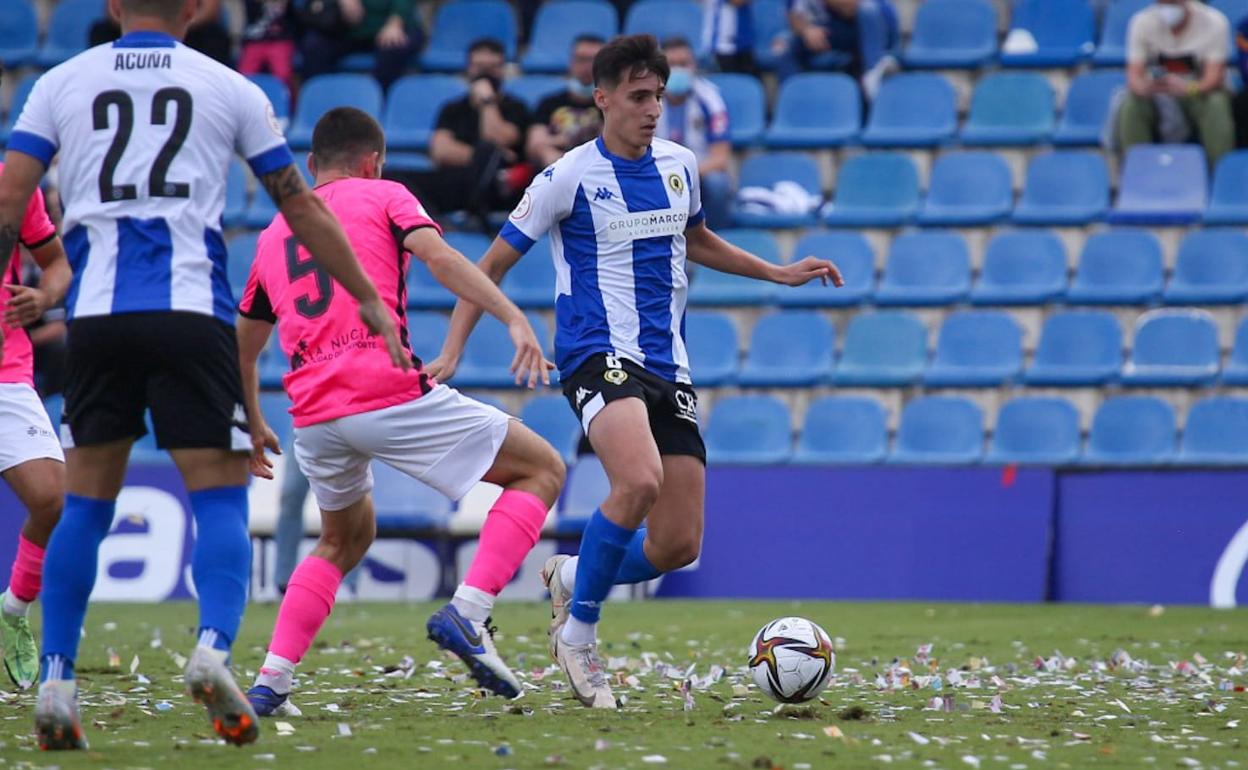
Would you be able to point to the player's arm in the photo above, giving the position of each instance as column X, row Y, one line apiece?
column 253, row 335
column 21, row 176
column 27, row 304
column 708, row 249
column 478, row 291
column 318, row 230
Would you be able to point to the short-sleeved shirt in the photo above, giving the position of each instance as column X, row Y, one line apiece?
column 727, row 28
column 617, row 237
column 462, row 119
column 145, row 129
column 1202, row 40
column 698, row 122
column 19, row 356
column 572, row 120
column 337, row 366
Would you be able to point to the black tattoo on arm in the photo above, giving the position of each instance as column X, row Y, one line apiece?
column 283, row 184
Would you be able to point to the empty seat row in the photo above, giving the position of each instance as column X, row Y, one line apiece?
column 949, row 430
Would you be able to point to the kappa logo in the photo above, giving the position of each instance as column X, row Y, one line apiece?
column 603, row 194
column 581, row 395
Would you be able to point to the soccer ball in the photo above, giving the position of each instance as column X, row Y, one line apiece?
column 791, row 659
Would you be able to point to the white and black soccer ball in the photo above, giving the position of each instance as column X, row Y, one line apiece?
column 791, row 659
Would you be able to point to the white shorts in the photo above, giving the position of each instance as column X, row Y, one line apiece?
column 443, row 439
column 25, row 431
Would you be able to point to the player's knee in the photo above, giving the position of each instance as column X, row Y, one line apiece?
column 678, row 552
column 45, row 507
column 639, row 490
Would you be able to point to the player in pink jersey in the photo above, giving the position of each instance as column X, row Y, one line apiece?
column 31, row 461
column 350, row 408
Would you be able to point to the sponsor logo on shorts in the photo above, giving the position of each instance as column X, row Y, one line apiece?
column 687, row 405
column 615, row 376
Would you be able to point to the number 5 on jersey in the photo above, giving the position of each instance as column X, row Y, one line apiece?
column 299, row 265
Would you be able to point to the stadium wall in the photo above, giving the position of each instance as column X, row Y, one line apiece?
column 975, row 534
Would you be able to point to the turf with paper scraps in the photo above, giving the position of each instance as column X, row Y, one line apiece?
column 1129, row 688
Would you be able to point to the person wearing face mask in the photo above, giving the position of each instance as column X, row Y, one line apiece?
column 570, row 117
column 694, row 115
column 1176, row 58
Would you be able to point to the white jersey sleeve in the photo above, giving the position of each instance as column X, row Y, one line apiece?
column 546, row 202
column 259, row 136
column 35, row 132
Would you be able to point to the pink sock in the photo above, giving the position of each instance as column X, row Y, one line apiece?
column 27, row 576
column 309, row 600
column 510, row 532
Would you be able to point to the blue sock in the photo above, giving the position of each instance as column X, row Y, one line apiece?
column 221, row 562
column 69, row 575
column 603, row 546
column 636, row 568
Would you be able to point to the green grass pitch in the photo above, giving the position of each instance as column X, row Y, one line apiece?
column 374, row 693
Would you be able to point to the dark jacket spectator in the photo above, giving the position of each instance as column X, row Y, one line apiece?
column 386, row 28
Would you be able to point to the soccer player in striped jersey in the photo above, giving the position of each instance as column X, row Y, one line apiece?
column 622, row 212
column 145, row 129
column 349, row 410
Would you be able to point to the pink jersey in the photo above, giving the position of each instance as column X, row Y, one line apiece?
column 337, row 367
column 19, row 355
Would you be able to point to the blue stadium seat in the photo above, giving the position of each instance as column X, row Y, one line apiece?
column 412, row 108
column 1042, row 431
column 261, row 211
column 471, row 245
column 240, row 253
column 1229, row 200
column 1216, row 432
column 913, row 109
column 714, row 352
column 402, row 502
column 19, row 34
column 1087, row 107
column 885, row 349
column 976, row 348
column 531, row 283
column 15, row 106
column 768, row 169
column 1173, row 348
column 815, row 109
column 843, row 430
column 552, row 419
column 424, row 291
column 1064, row 189
column 558, row 24
column 951, row 34
column 272, row 364
column 275, row 406
column 235, row 195
column 360, row 62
column 771, row 31
column 426, row 329
column 749, row 430
column 277, row 93
column 931, row 268
column 711, row 287
column 1024, row 267
column 1132, row 430
column 460, row 23
column 1162, row 184
column 1112, row 52
column 532, row 89
column 968, row 189
column 54, row 405
column 876, row 189
column 1077, row 348
column 1063, row 31
column 1211, row 269
column 792, row 348
column 488, row 354
column 68, row 29
column 853, row 256
column 1236, row 370
column 939, row 430
column 587, row 487
column 1010, row 108
column 1118, row 267
column 324, row 92
column 666, row 19
column 747, row 106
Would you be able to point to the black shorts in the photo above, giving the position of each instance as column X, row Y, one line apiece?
column 183, row 366
column 673, row 406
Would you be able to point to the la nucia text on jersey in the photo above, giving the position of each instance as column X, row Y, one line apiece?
column 142, row 60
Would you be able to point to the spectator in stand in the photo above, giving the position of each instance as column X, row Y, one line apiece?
column 206, row 33
column 728, row 32
column 694, row 115
column 1241, row 99
column 269, row 40
column 332, row 30
column 1176, row 66
column 478, row 142
column 570, row 117
column 852, row 36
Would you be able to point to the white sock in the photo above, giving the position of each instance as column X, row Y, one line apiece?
column 276, row 673
column 578, row 632
column 567, row 572
column 472, row 603
column 14, row 606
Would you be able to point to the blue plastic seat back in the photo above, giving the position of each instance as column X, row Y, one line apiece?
column 970, row 180
column 749, row 429
column 1067, row 179
column 914, row 104
column 276, row 409
column 1084, row 338
column 551, row 418
column 240, row 254
column 1217, row 428
column 1175, row 338
column 1229, row 200
column 1087, row 106
column 532, row 89
column 952, row 33
column 1132, row 429
column 1037, row 429
column 412, row 108
column 815, row 108
column 853, row 256
column 928, row 259
column 1009, row 105
column 20, row 95
column 557, row 25
column 1121, row 258
column 792, row 339
column 325, row 92
column 1063, row 31
column 771, row 31
column 746, row 103
column 1024, row 258
column 844, row 429
column 980, row 338
column 1213, row 258
column 766, row 169
column 666, row 19
column 460, row 23
column 69, row 27
column 587, row 487
column 1162, row 184
column 1112, row 50
column 426, row 330
column 712, row 344
column 19, row 33
column 885, row 340
column 937, row 427
column 881, row 180
column 277, row 92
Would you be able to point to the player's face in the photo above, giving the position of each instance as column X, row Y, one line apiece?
column 631, row 109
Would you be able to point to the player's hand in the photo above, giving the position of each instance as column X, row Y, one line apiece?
column 443, row 367
column 808, row 269
column 25, row 305
column 529, row 363
column 262, row 438
column 376, row 316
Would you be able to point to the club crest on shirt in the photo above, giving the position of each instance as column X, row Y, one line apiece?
column 675, row 182
column 523, row 207
column 615, row 376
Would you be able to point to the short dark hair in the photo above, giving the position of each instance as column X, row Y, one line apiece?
column 677, row 41
column 628, row 57
column 487, row 44
column 162, row 9
column 345, row 134
column 588, row 37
